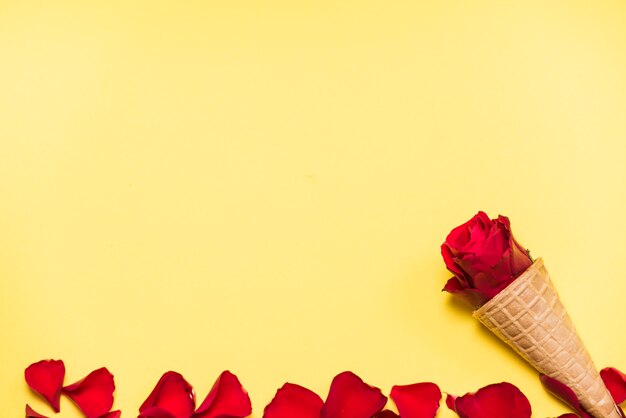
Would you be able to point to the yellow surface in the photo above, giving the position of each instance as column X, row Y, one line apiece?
column 264, row 186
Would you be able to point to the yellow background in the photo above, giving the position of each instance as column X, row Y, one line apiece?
column 264, row 186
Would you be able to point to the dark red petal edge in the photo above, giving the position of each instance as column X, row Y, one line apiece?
column 112, row 414
column 564, row 393
column 497, row 400
column 473, row 297
column 350, row 397
column 227, row 398
column 93, row 394
column 615, row 382
column 31, row 413
column 46, row 378
column 451, row 402
column 155, row 412
column 171, row 394
column 294, row 401
column 419, row 400
column 387, row 414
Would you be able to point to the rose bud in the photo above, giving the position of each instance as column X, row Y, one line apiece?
column 484, row 258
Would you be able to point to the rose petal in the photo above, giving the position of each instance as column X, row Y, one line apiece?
column 451, row 402
column 454, row 285
column 564, row 393
column 479, row 233
column 460, row 236
column 155, row 412
column 501, row 400
column 569, row 415
column 520, row 260
column 31, row 413
column 615, row 382
column 93, row 394
column 294, row 401
column 350, row 397
column 420, row 400
column 46, row 378
column 172, row 394
column 492, row 275
column 493, row 246
column 473, row 297
column 449, row 260
column 490, row 285
column 226, row 399
column 485, row 281
column 112, row 414
column 387, row 414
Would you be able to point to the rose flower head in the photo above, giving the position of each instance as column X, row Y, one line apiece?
column 484, row 258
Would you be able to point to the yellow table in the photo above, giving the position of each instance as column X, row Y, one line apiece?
column 264, row 186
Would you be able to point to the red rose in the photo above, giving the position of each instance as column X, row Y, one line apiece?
column 484, row 258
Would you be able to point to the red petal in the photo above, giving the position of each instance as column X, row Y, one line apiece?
column 459, row 236
column 31, row 413
column 112, row 414
column 350, row 397
column 172, row 394
column 520, row 259
column 420, row 400
column 568, row 416
column 448, row 259
column 473, row 297
column 501, row 400
column 227, row 399
column 93, row 394
column 46, row 378
column 491, row 248
column 454, row 285
column 155, row 412
column 387, row 414
column 564, row 393
column 451, row 402
column 615, row 382
column 294, row 401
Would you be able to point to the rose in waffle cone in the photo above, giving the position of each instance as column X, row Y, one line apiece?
column 514, row 297
column 529, row 316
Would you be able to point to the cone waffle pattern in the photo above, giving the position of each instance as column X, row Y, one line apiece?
column 529, row 316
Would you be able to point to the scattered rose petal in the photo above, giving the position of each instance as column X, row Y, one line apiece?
column 155, row 412
column 615, row 382
column 420, row 400
column 294, row 401
column 570, row 415
column 451, row 402
column 93, row 394
column 564, row 393
column 227, row 399
column 31, row 413
column 387, row 414
column 112, row 414
column 172, row 394
column 501, row 400
column 46, row 378
column 350, row 397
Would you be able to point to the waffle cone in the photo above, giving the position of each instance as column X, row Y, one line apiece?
column 529, row 316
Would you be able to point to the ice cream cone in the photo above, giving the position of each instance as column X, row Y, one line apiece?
column 529, row 316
